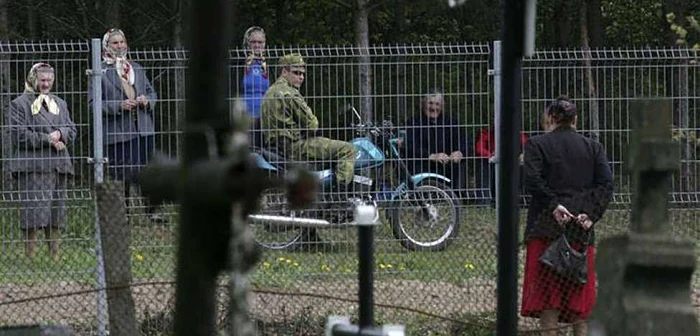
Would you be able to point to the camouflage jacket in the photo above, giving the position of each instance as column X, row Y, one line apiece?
column 285, row 114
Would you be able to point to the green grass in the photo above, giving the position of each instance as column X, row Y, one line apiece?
column 472, row 254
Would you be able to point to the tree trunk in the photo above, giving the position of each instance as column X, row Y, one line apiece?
column 563, row 28
column 595, row 27
column 110, row 10
column 679, row 88
column 362, row 42
column 400, row 28
column 31, row 22
column 593, row 111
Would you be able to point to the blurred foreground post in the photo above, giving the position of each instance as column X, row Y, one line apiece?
column 645, row 276
column 216, row 182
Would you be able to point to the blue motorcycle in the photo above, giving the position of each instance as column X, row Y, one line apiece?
column 421, row 208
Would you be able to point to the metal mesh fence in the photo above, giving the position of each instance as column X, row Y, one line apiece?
column 447, row 288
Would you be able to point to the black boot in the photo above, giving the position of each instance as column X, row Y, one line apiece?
column 353, row 190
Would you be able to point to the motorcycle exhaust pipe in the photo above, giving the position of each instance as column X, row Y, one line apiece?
column 364, row 215
column 287, row 221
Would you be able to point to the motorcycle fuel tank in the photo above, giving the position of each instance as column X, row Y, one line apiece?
column 368, row 155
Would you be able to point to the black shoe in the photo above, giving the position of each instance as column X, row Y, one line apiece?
column 353, row 190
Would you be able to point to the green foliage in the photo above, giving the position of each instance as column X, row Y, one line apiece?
column 633, row 22
column 687, row 30
column 317, row 22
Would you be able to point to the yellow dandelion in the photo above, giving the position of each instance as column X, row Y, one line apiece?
column 266, row 264
column 469, row 266
column 288, row 261
column 139, row 257
column 296, row 264
column 382, row 266
column 281, row 259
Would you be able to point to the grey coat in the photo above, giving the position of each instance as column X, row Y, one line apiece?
column 29, row 135
column 123, row 125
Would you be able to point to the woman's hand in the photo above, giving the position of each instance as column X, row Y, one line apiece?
column 562, row 215
column 142, row 100
column 128, row 105
column 59, row 145
column 584, row 221
column 55, row 136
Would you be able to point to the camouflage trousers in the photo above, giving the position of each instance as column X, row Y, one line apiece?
column 325, row 149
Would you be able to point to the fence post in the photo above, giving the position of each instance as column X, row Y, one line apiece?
column 496, row 116
column 365, row 219
column 98, row 161
column 116, row 235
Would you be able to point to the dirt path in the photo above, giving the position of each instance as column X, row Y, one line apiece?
column 439, row 298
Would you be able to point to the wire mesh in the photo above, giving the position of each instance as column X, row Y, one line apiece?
column 447, row 288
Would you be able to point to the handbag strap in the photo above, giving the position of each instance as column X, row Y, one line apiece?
column 584, row 243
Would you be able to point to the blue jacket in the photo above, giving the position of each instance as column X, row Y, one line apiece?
column 255, row 83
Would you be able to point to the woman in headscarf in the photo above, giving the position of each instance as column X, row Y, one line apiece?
column 128, row 102
column 41, row 132
column 255, row 78
column 571, row 185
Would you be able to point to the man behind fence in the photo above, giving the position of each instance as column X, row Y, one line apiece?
column 291, row 128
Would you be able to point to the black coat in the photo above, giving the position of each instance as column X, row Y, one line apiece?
column 426, row 136
column 564, row 167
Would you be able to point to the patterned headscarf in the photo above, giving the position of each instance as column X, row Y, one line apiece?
column 251, row 56
column 117, row 57
column 31, row 84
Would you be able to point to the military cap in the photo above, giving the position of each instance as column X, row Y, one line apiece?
column 292, row 60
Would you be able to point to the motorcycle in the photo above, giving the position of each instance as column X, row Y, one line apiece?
column 422, row 209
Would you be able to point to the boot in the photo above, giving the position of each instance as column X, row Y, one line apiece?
column 53, row 237
column 30, row 244
column 353, row 190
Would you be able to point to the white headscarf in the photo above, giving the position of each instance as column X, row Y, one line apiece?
column 31, row 84
column 117, row 57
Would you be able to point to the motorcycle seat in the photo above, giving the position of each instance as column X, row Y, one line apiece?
column 280, row 162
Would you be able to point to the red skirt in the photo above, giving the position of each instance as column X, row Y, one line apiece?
column 545, row 290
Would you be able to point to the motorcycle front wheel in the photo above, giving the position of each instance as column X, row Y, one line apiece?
column 425, row 218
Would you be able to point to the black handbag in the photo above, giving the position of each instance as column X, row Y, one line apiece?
column 566, row 261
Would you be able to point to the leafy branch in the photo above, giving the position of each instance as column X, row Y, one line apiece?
column 679, row 28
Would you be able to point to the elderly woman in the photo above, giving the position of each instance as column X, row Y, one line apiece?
column 571, row 185
column 41, row 132
column 128, row 102
column 255, row 80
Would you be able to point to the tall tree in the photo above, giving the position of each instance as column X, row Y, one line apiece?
column 563, row 24
column 111, row 13
column 362, row 42
column 594, row 23
column 679, row 86
column 593, row 113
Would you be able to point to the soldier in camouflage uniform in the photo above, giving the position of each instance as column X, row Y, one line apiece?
column 291, row 128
